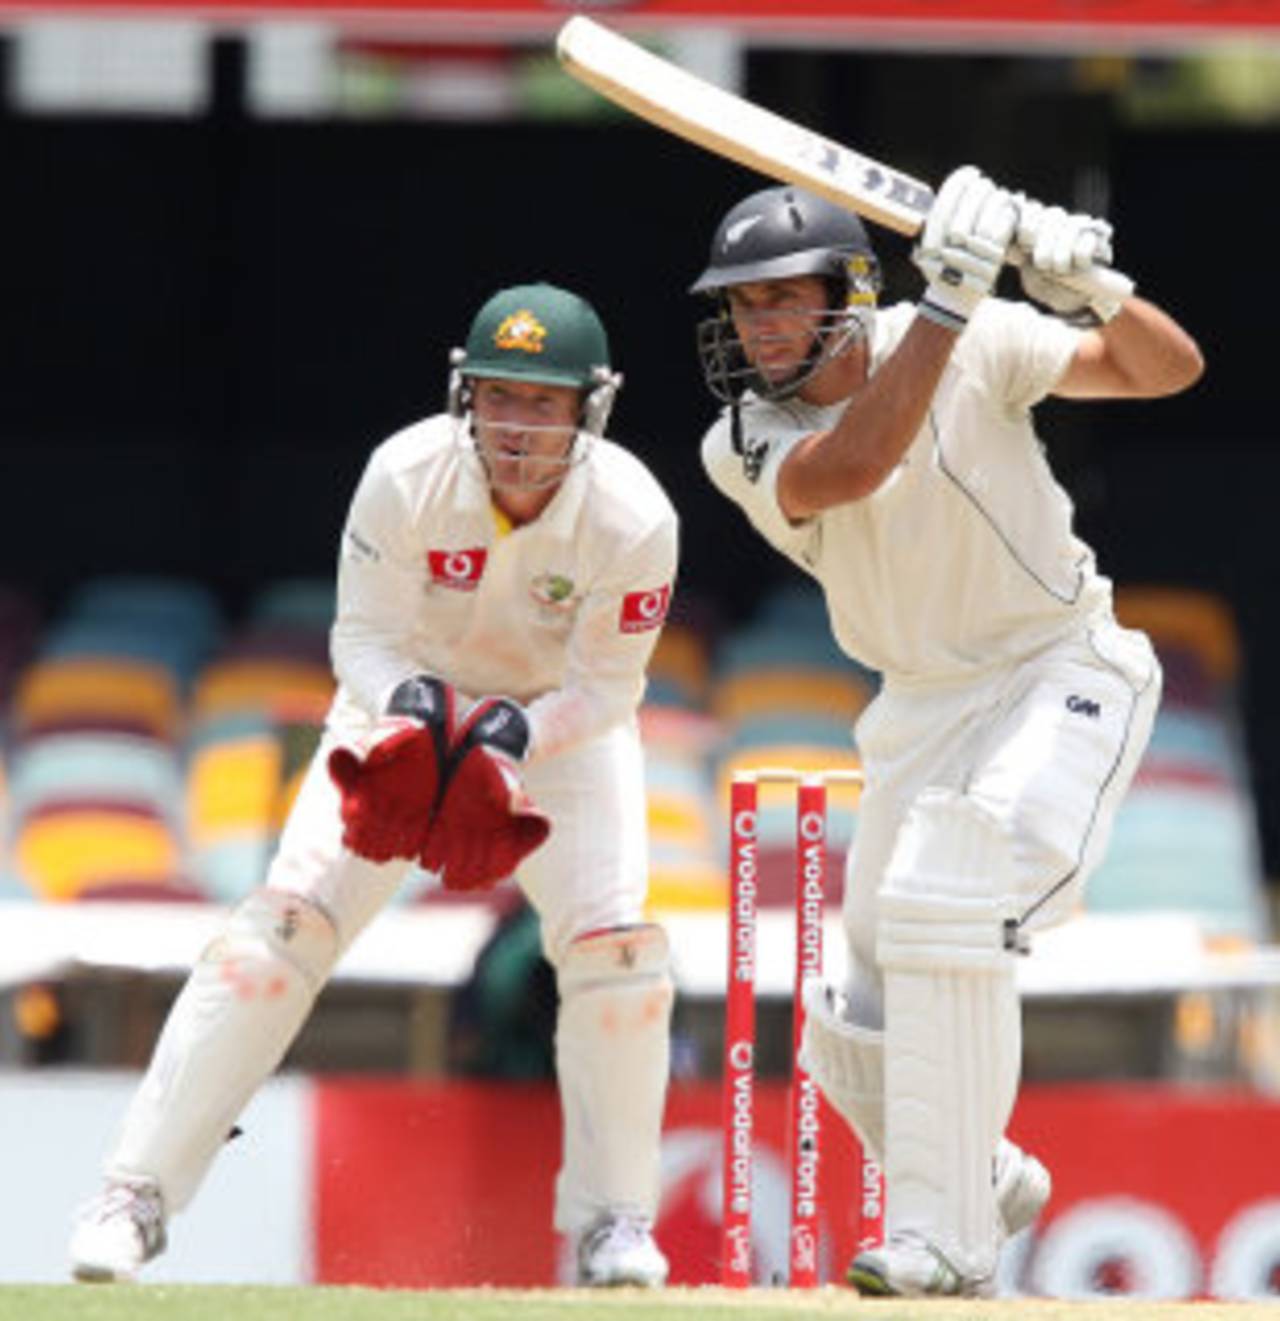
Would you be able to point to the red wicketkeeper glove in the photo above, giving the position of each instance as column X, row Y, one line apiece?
column 388, row 796
column 486, row 824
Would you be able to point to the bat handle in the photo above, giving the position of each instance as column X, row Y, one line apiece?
column 1098, row 281
column 1106, row 282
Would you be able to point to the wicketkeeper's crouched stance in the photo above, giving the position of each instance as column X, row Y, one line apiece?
column 504, row 547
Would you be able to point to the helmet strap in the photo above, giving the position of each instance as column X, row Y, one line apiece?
column 459, row 394
column 597, row 401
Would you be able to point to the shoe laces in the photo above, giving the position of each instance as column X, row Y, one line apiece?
column 140, row 1203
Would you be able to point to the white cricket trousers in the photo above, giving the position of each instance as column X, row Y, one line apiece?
column 1050, row 746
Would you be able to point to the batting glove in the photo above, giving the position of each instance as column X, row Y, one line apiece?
column 963, row 245
column 1058, row 251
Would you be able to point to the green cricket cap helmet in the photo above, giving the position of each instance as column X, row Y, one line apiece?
column 538, row 333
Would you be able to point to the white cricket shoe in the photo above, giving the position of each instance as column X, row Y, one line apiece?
column 1023, row 1186
column 118, row 1231
column 907, row 1266
column 620, row 1250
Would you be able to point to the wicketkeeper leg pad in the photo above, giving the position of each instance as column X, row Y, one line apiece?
column 952, row 1035
column 245, row 1001
column 612, row 1058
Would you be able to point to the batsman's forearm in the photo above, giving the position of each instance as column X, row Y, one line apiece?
column 1152, row 352
column 874, row 432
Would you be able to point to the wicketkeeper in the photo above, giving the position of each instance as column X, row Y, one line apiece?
column 504, row 573
column 891, row 454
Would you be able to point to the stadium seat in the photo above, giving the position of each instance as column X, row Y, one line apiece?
column 1186, row 837
column 68, row 853
column 302, row 602
column 679, row 671
column 124, row 769
column 834, row 695
column 786, row 696
column 278, row 641
column 171, row 622
column 168, row 602
column 684, row 871
column 234, row 785
column 1183, row 617
column 88, row 693
column 269, row 686
column 1181, row 849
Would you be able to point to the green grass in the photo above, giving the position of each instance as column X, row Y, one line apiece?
column 229, row 1303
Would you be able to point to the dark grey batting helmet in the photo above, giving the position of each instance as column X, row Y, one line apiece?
column 781, row 232
column 777, row 234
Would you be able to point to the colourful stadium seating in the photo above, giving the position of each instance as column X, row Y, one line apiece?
column 70, row 693
column 1186, row 838
column 301, row 602
column 75, row 851
column 269, row 685
column 150, row 751
column 684, row 869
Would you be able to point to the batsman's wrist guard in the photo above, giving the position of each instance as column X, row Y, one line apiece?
column 951, row 294
column 942, row 313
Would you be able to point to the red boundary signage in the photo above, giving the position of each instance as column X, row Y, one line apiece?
column 1158, row 1192
column 1087, row 17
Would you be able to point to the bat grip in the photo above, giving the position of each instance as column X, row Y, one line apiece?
column 1105, row 282
column 1097, row 282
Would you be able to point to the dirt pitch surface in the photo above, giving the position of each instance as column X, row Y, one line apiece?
column 231, row 1303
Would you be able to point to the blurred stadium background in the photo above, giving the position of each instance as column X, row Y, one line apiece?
column 239, row 241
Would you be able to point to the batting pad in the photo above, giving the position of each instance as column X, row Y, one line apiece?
column 952, row 1036
column 612, row 1058
column 847, row 1063
column 246, row 999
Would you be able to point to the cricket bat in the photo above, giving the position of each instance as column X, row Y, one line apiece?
column 719, row 121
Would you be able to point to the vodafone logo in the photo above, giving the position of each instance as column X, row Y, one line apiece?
column 812, row 826
column 644, row 610
column 459, row 570
column 1119, row 1245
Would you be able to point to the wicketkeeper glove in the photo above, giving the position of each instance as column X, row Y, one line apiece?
column 486, row 824
column 389, row 796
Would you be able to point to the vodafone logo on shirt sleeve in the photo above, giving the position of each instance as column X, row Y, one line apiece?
column 644, row 610
column 460, row 570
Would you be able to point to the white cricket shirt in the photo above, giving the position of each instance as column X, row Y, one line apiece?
column 964, row 558
column 561, row 614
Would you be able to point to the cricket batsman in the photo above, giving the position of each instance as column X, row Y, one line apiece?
column 503, row 576
column 892, row 455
